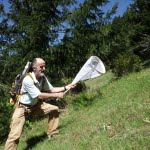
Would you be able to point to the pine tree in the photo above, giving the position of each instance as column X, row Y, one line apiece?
column 88, row 34
column 32, row 28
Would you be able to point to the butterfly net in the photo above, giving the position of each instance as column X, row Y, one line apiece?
column 93, row 68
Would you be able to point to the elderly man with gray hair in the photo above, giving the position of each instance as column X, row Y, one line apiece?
column 35, row 90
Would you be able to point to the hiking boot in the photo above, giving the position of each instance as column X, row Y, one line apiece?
column 50, row 137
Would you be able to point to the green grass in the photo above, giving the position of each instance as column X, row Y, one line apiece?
column 114, row 121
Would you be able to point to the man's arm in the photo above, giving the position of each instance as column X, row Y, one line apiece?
column 57, row 89
column 62, row 89
column 45, row 96
column 56, row 92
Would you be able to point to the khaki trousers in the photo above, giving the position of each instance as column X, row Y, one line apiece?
column 19, row 116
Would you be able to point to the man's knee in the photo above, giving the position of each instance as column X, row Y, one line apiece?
column 54, row 113
column 53, row 107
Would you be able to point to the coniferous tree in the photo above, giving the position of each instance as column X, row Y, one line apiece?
column 88, row 34
column 129, row 35
column 32, row 29
column 137, row 18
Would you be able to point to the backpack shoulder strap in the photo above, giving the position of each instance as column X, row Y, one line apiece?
column 30, row 75
column 20, row 93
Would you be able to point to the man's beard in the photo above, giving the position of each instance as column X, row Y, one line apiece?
column 41, row 74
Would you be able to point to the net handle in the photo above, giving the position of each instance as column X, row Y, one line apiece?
column 64, row 93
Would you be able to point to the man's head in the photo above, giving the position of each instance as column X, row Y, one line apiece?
column 38, row 66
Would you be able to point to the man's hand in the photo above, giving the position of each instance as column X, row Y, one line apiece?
column 70, row 86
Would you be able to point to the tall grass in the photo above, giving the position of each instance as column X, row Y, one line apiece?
column 115, row 121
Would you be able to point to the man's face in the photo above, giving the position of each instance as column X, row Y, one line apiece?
column 39, row 68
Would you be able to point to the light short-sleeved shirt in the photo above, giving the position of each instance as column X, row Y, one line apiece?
column 31, row 89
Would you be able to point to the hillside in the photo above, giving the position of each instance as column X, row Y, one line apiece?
column 117, row 119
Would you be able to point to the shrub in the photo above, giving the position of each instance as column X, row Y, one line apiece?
column 85, row 99
column 81, row 100
column 80, row 87
column 126, row 63
column 5, row 115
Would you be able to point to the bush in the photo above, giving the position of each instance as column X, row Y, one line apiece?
column 5, row 115
column 126, row 63
column 80, row 87
column 82, row 100
column 85, row 99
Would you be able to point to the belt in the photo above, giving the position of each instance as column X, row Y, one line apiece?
column 27, row 105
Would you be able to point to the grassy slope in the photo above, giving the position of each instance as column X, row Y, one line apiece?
column 114, row 122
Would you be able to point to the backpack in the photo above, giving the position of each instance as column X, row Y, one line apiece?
column 16, row 85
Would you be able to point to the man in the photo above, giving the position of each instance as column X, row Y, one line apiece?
column 35, row 90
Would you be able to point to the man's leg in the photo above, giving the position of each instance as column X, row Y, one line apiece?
column 53, row 112
column 18, row 120
column 53, row 123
